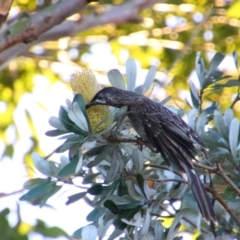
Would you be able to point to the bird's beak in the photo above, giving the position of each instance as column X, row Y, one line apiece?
column 90, row 104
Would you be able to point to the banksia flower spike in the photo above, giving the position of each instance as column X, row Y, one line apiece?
column 85, row 83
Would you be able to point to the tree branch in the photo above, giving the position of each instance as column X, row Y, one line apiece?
column 118, row 14
column 28, row 29
column 224, row 205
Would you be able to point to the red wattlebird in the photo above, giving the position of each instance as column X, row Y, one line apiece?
column 167, row 133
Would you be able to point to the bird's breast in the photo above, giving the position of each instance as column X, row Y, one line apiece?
column 136, row 122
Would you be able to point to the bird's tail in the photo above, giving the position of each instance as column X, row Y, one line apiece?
column 200, row 195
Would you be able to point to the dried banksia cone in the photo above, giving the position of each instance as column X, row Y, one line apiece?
column 85, row 83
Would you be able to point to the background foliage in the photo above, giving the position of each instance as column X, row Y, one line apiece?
column 36, row 66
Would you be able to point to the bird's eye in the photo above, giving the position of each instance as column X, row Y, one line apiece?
column 101, row 101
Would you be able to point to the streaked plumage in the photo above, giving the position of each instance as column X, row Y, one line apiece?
column 166, row 132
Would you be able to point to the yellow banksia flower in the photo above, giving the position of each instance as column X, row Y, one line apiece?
column 85, row 83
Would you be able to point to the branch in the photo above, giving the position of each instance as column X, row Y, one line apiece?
column 28, row 29
column 224, row 205
column 228, row 180
column 118, row 14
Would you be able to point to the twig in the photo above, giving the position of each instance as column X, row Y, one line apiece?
column 167, row 180
column 164, row 168
column 117, row 14
column 206, row 168
column 228, row 180
column 224, row 205
column 184, row 218
column 28, row 28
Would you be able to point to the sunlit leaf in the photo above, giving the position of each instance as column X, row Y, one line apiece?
column 77, row 116
column 149, row 79
column 55, row 122
column 131, row 73
column 137, row 157
column 215, row 62
column 234, row 137
column 89, row 233
column 220, row 125
column 69, row 124
column 46, row 167
column 116, row 79
column 72, row 168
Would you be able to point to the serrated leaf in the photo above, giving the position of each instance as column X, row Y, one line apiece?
column 56, row 123
column 116, row 79
column 215, row 62
column 131, row 74
column 137, row 157
column 89, row 232
column 72, row 168
column 234, row 137
column 149, row 79
column 75, row 197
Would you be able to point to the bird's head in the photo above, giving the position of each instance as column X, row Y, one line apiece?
column 112, row 96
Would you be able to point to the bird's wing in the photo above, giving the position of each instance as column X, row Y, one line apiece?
column 173, row 138
column 169, row 134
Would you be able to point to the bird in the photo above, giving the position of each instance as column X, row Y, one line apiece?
column 166, row 133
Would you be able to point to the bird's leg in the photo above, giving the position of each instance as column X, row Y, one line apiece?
column 141, row 142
